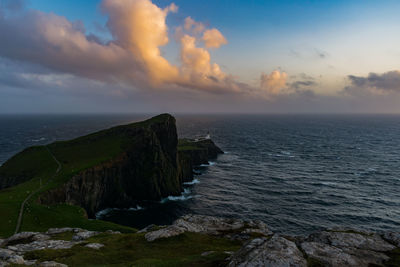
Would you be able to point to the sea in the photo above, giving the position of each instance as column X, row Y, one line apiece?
column 296, row 173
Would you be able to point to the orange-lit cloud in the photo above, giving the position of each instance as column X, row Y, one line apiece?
column 196, row 65
column 193, row 26
column 213, row 38
column 139, row 27
column 274, row 82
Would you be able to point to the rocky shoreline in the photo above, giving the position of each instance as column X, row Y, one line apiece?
column 260, row 246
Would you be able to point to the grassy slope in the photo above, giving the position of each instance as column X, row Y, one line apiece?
column 134, row 250
column 75, row 156
column 186, row 144
column 38, row 160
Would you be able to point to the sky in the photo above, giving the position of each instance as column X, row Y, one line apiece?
column 226, row 56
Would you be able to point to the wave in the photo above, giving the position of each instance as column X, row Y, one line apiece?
column 283, row 154
column 136, row 209
column 104, row 212
column 101, row 213
column 210, row 163
column 38, row 140
column 194, row 181
column 184, row 196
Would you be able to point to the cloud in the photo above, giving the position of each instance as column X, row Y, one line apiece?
column 302, row 84
column 213, row 38
column 273, row 83
column 190, row 25
column 56, row 43
column 374, row 83
column 12, row 5
column 139, row 27
column 171, row 8
column 133, row 56
column 308, row 53
column 320, row 54
column 197, row 59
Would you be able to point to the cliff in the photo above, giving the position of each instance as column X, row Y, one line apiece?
column 146, row 169
column 116, row 167
column 193, row 153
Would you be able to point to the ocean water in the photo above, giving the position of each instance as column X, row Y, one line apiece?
column 297, row 173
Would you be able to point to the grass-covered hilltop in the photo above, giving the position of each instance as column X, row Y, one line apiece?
column 50, row 194
column 66, row 182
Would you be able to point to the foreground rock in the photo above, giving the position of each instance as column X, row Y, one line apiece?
column 12, row 249
column 260, row 247
column 340, row 247
column 52, row 264
column 393, row 238
column 82, row 235
column 38, row 245
column 276, row 251
column 231, row 228
column 94, row 245
column 342, row 256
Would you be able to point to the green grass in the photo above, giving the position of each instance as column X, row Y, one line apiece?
column 185, row 144
column 67, row 236
column 313, row 262
column 189, row 148
column 11, row 198
column 36, row 166
column 134, row 250
column 40, row 218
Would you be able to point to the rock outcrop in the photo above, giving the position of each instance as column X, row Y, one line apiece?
column 230, row 228
column 193, row 153
column 260, row 246
column 276, row 251
column 344, row 247
column 13, row 249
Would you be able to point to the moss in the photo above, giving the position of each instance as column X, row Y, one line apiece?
column 41, row 218
column 189, row 148
column 67, row 236
column 313, row 262
column 11, row 199
column 133, row 249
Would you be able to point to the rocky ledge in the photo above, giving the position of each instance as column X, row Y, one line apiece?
column 192, row 152
column 13, row 249
column 260, row 246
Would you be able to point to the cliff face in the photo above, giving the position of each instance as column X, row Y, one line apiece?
column 146, row 170
column 193, row 153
